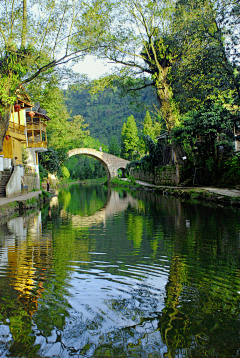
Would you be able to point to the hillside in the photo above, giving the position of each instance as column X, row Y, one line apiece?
column 106, row 111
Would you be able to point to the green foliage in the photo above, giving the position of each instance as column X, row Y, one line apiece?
column 63, row 132
column 42, row 172
column 50, row 162
column 206, row 135
column 151, row 160
column 106, row 111
column 230, row 171
column 37, row 36
column 130, row 139
column 46, row 194
column 65, row 172
column 83, row 167
column 207, row 67
column 25, row 155
column 14, row 65
column 114, row 147
column 131, row 182
column 150, row 129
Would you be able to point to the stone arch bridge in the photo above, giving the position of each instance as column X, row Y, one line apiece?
column 110, row 162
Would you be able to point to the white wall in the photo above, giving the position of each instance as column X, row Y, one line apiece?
column 13, row 187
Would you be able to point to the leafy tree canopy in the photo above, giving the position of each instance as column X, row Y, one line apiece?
column 206, row 135
column 36, row 36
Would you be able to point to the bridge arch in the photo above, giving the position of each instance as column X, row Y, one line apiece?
column 110, row 162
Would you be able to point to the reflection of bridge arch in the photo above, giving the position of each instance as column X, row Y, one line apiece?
column 114, row 205
column 110, row 162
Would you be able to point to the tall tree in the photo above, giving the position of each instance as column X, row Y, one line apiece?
column 114, row 146
column 191, row 47
column 36, row 36
column 63, row 133
column 150, row 128
column 208, row 66
column 130, row 139
column 140, row 41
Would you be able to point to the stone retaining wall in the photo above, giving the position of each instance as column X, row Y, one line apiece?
column 30, row 180
column 168, row 175
column 144, row 176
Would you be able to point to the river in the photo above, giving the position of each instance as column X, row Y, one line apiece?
column 106, row 273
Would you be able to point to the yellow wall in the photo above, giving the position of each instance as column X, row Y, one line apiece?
column 22, row 118
column 7, row 148
column 14, row 117
column 12, row 148
column 18, row 117
column 17, row 150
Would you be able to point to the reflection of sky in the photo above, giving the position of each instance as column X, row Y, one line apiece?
column 103, row 303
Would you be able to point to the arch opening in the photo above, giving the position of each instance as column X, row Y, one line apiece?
column 110, row 162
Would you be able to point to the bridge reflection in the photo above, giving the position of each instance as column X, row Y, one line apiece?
column 114, row 205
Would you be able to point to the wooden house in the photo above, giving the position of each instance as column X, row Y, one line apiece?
column 36, row 139
column 16, row 133
column 27, row 128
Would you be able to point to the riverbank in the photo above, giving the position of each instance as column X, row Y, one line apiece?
column 215, row 195
column 65, row 183
column 23, row 202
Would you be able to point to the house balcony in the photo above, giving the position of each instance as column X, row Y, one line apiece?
column 41, row 144
column 37, row 134
column 36, row 126
column 17, row 131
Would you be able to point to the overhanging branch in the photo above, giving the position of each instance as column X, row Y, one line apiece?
column 142, row 87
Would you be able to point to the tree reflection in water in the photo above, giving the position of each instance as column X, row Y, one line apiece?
column 105, row 274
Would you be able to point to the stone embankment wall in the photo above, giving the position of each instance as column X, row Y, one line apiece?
column 168, row 175
column 144, row 176
column 30, row 180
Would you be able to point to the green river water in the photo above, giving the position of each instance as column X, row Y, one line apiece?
column 105, row 273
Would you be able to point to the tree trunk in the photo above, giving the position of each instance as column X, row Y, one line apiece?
column 4, row 123
column 24, row 24
column 164, row 96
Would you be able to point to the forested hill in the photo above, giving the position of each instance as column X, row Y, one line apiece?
column 106, row 111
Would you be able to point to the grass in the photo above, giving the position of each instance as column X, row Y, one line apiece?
column 46, row 194
column 93, row 181
column 131, row 182
column 31, row 201
column 7, row 209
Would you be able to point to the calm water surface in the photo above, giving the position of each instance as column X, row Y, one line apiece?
column 103, row 273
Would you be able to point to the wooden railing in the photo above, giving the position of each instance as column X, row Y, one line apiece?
column 32, row 144
column 36, row 126
column 16, row 128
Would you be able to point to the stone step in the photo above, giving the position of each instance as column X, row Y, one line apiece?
column 186, row 182
column 3, row 182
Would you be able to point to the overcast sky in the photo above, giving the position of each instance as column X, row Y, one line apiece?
column 93, row 68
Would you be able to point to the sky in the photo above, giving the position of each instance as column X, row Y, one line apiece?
column 93, row 68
